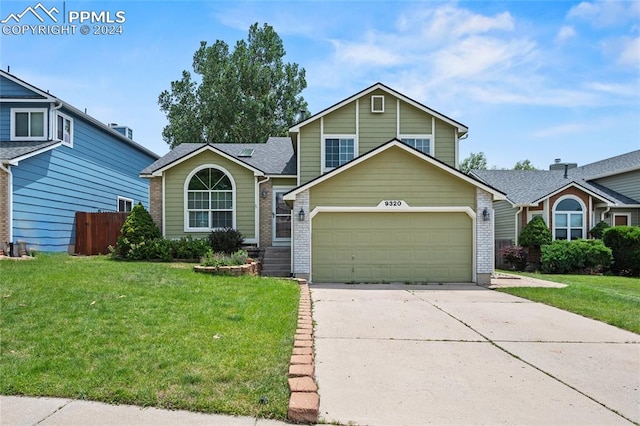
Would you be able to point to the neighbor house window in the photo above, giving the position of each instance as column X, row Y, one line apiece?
column 64, row 129
column 209, row 199
column 338, row 150
column 421, row 143
column 568, row 219
column 125, row 204
column 28, row 124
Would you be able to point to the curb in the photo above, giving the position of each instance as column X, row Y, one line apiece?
column 304, row 403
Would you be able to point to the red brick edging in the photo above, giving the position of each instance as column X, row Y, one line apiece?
column 304, row 403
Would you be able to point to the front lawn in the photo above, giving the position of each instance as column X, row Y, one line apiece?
column 148, row 334
column 611, row 299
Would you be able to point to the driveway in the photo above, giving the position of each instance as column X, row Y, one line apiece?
column 413, row 355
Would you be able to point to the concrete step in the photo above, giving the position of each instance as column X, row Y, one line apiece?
column 276, row 262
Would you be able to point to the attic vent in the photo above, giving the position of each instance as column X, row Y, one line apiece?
column 377, row 103
column 247, row 152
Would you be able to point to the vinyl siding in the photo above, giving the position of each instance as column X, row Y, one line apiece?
column 245, row 205
column 283, row 182
column 373, row 130
column 341, row 121
column 627, row 184
column 445, row 148
column 10, row 89
column 393, row 175
column 376, row 128
column 309, row 152
column 505, row 220
column 48, row 189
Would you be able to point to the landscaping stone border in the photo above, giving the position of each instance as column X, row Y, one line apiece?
column 247, row 269
column 304, row 403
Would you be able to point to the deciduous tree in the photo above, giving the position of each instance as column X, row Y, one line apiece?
column 242, row 95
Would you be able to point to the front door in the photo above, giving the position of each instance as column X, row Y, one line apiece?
column 281, row 218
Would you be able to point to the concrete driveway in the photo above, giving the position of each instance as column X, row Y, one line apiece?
column 413, row 355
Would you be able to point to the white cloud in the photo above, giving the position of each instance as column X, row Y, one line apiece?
column 565, row 33
column 606, row 13
column 630, row 52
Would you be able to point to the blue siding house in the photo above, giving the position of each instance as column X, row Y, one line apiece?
column 55, row 161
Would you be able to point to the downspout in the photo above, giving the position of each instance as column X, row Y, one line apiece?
column 516, row 224
column 52, row 122
column 7, row 169
column 258, row 195
column 607, row 210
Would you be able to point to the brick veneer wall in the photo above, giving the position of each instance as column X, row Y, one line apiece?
column 302, row 238
column 484, row 238
column 266, row 223
column 155, row 200
column 4, row 207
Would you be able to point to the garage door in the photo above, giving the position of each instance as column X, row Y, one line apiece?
column 391, row 247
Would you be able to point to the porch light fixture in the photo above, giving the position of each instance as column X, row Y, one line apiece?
column 264, row 193
column 485, row 214
column 301, row 215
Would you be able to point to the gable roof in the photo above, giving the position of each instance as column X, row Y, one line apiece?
column 462, row 129
column 274, row 157
column 529, row 187
column 497, row 194
column 42, row 96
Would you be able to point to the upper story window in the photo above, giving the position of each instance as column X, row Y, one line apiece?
column 568, row 219
column 125, row 204
column 28, row 124
column 338, row 150
column 64, row 129
column 419, row 142
column 209, row 199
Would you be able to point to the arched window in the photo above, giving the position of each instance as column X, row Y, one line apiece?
column 568, row 219
column 209, row 199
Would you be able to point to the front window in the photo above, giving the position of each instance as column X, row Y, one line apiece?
column 210, row 200
column 28, row 124
column 338, row 150
column 568, row 220
column 64, row 129
column 421, row 143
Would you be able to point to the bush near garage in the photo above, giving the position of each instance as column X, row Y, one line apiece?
column 578, row 256
column 515, row 257
column 624, row 242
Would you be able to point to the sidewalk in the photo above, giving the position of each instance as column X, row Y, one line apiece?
column 19, row 411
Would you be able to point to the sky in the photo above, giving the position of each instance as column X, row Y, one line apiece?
column 536, row 80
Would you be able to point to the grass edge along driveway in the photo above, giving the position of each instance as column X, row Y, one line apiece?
column 147, row 334
column 610, row 299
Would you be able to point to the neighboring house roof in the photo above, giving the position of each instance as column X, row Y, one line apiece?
column 462, row 129
column 274, row 157
column 41, row 95
column 497, row 194
column 529, row 187
column 15, row 151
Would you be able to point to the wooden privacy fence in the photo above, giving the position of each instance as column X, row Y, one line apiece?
column 95, row 232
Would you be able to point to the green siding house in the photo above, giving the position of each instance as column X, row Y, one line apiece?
column 367, row 190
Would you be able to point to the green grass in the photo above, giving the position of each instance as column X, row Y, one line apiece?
column 611, row 299
column 148, row 334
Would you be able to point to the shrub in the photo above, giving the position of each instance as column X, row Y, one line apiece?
column 535, row 233
column 188, row 248
column 515, row 257
column 562, row 257
column 138, row 228
column 624, row 242
column 222, row 259
column 227, row 240
column 598, row 230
